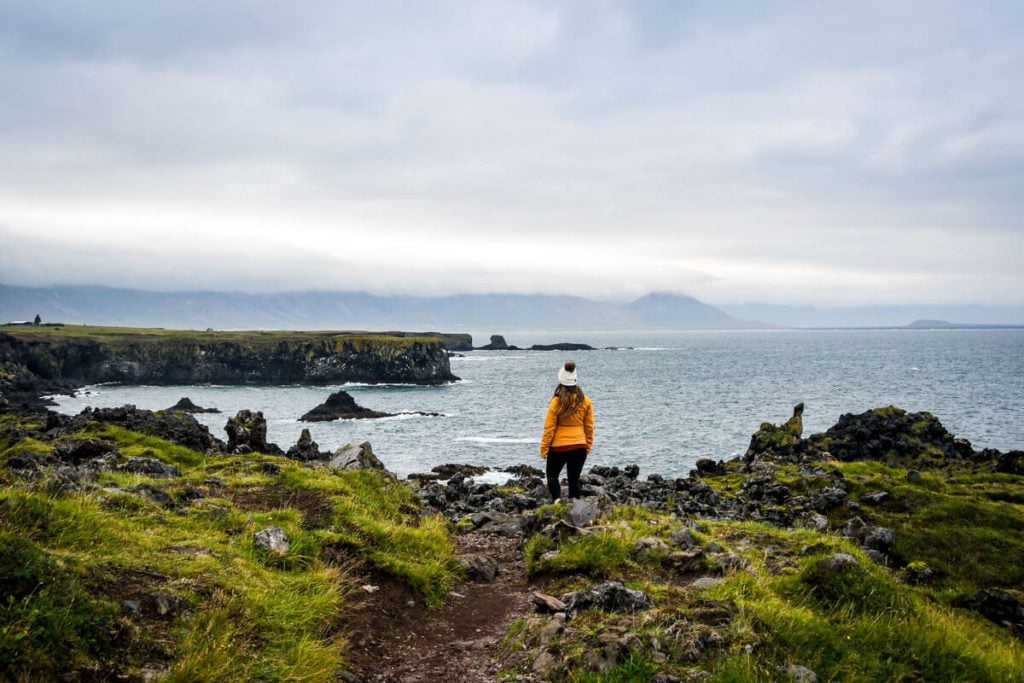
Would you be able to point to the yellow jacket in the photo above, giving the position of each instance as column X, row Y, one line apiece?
column 575, row 428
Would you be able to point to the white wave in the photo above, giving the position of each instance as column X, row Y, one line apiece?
column 495, row 439
column 484, row 359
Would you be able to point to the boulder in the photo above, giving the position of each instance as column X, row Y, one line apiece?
column 708, row 467
column 478, row 566
column 357, row 457
column 875, row 497
column 881, row 540
column 837, row 564
column 272, row 539
column 341, row 406
column 998, row 606
column 150, row 468
column 547, row 603
column 450, row 470
column 305, row 448
column 798, row 673
column 610, row 596
column 583, row 512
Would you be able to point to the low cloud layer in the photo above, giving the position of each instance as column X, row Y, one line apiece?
column 785, row 152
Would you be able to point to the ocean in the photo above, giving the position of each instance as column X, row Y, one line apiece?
column 662, row 403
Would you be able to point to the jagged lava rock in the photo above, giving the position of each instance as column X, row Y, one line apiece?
column 174, row 426
column 247, row 433
column 305, row 448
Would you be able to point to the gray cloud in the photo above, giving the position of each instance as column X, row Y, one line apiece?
column 793, row 152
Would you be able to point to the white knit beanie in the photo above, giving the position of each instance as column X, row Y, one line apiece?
column 566, row 378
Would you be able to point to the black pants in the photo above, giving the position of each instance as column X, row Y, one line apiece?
column 555, row 463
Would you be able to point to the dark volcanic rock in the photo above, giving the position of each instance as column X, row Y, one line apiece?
column 562, row 346
column 35, row 364
column 247, row 433
column 890, row 434
column 175, row 426
column 777, row 442
column 478, row 566
column 185, row 404
column 81, row 450
column 340, row 406
column 150, row 468
column 305, row 448
column 450, row 470
column 498, row 343
column 995, row 605
column 1010, row 463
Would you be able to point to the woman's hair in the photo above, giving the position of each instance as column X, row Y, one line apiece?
column 569, row 398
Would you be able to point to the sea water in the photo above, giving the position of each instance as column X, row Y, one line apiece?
column 662, row 403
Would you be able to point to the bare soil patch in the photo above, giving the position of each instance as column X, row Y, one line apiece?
column 315, row 506
column 395, row 639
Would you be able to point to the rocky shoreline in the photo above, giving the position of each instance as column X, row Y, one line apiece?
column 42, row 360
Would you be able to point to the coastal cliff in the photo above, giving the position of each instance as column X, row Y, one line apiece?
column 54, row 358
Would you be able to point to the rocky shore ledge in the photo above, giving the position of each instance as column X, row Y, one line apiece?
column 885, row 548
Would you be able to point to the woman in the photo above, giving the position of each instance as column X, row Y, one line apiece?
column 568, row 433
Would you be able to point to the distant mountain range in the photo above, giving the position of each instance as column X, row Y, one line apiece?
column 499, row 313
column 356, row 310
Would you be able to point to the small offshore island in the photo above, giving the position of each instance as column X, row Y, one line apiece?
column 138, row 546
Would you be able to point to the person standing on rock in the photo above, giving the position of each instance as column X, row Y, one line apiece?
column 568, row 433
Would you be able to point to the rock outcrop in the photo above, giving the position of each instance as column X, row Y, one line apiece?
column 562, row 346
column 498, row 343
column 175, row 426
column 305, row 448
column 247, row 433
column 340, row 406
column 185, row 404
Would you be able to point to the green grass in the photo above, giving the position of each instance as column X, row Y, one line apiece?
column 970, row 530
column 66, row 562
column 135, row 335
column 861, row 624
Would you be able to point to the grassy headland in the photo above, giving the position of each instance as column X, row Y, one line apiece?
column 37, row 359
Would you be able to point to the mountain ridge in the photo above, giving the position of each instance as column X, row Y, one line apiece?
column 357, row 310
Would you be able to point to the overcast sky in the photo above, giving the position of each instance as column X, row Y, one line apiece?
column 829, row 153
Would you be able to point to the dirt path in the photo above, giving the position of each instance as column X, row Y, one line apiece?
column 395, row 640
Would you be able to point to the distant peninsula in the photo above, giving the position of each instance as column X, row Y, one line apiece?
column 38, row 359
